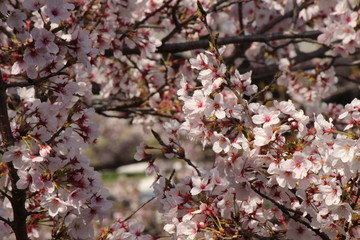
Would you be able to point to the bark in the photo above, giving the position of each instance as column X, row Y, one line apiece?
column 18, row 196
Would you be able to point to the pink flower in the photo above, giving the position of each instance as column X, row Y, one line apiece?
column 263, row 136
column 44, row 150
column 344, row 149
column 331, row 193
column 200, row 184
column 25, row 179
column 79, row 229
column 196, row 104
column 328, row 34
column 322, row 126
column 135, row 231
column 77, row 198
column 184, row 87
column 33, row 5
column 298, row 231
column 286, row 107
column 37, row 57
column 82, row 41
column 187, row 230
column 44, row 39
column 346, row 33
column 298, row 165
column 216, row 107
column 151, row 168
column 19, row 155
column 16, row 19
column 285, row 178
column 57, row 10
column 55, row 205
column 140, row 152
column 201, row 62
column 342, row 210
column 243, row 83
column 26, row 94
column 222, row 143
column 266, row 117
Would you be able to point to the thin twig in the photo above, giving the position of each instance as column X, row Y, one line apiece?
column 266, row 87
column 137, row 24
column 295, row 216
column 143, row 205
column 5, row 194
column 39, row 80
column 7, row 221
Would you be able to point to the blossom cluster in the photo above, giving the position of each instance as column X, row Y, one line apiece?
column 49, row 123
column 269, row 165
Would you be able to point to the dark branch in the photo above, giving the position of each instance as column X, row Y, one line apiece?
column 18, row 196
column 204, row 43
column 7, row 221
column 5, row 129
column 37, row 81
column 296, row 217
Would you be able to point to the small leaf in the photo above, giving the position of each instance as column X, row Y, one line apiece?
column 200, row 11
column 58, row 29
column 158, row 138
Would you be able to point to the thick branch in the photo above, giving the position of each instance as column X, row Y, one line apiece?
column 204, row 43
column 181, row 47
column 18, row 196
column 5, row 129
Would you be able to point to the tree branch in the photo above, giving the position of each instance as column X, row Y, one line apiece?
column 37, row 81
column 204, row 43
column 186, row 46
column 5, row 129
column 295, row 217
column 18, row 196
column 7, row 221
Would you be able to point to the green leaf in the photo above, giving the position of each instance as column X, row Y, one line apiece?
column 200, row 11
column 58, row 29
column 158, row 138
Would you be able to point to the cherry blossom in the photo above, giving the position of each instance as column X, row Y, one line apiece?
column 44, row 39
column 16, row 19
column 57, row 10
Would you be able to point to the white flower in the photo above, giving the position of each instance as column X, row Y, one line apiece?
column 266, row 117
column 263, row 136
column 187, row 230
column 222, row 143
column 26, row 94
column 55, row 205
column 344, row 149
